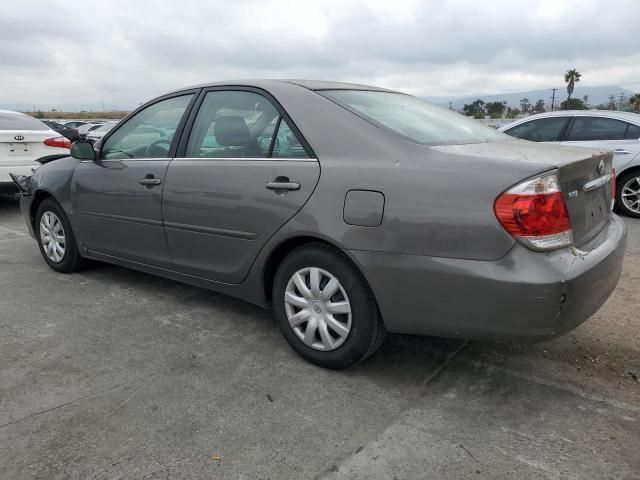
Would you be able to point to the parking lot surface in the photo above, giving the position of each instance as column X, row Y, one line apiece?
column 115, row 374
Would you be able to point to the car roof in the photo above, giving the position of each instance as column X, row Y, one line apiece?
column 627, row 116
column 293, row 83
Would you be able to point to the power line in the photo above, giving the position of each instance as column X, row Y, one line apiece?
column 553, row 98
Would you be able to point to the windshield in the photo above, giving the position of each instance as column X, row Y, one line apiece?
column 413, row 118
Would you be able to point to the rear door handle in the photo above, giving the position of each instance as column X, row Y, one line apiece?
column 620, row 151
column 283, row 186
column 149, row 181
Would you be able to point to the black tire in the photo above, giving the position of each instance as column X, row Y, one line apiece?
column 621, row 182
column 71, row 260
column 367, row 329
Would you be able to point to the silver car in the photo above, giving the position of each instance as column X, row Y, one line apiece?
column 603, row 129
column 351, row 210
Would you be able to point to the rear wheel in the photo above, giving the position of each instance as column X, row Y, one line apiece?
column 55, row 238
column 628, row 194
column 325, row 308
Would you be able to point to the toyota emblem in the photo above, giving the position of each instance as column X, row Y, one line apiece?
column 601, row 167
column 18, row 137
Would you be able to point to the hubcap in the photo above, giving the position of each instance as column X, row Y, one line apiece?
column 52, row 237
column 318, row 308
column 631, row 194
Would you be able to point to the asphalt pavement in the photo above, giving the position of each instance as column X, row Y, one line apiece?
column 114, row 374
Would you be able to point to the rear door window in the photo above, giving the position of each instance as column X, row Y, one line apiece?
column 633, row 132
column 241, row 124
column 539, row 130
column 588, row 129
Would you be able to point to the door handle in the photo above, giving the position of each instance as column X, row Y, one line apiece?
column 149, row 181
column 620, row 151
column 282, row 183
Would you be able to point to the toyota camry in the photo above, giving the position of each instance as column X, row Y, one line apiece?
column 350, row 210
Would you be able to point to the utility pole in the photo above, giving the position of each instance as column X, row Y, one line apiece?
column 612, row 101
column 450, row 105
column 621, row 100
column 553, row 98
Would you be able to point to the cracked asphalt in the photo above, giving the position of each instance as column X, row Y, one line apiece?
column 114, row 374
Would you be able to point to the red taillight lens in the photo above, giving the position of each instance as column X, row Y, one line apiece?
column 534, row 212
column 60, row 142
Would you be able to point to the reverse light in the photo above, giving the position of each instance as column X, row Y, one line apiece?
column 60, row 142
column 535, row 214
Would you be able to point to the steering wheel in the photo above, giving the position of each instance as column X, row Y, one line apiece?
column 149, row 151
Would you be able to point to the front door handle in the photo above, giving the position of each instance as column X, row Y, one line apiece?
column 620, row 151
column 149, row 181
column 282, row 183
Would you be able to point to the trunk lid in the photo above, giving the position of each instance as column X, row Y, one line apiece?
column 22, row 147
column 584, row 177
column 586, row 187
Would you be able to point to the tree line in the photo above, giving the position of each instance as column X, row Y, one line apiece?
column 500, row 109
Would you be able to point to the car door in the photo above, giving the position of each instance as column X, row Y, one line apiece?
column 117, row 198
column 606, row 133
column 246, row 171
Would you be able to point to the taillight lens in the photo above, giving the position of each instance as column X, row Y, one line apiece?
column 535, row 213
column 60, row 142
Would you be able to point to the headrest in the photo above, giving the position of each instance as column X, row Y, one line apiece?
column 232, row 132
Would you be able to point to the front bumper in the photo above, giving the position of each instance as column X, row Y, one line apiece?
column 524, row 295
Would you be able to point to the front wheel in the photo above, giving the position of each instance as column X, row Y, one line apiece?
column 325, row 308
column 55, row 238
column 628, row 194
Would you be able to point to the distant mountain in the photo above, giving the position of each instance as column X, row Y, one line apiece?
column 597, row 96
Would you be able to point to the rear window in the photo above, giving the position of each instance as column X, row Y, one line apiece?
column 413, row 118
column 18, row 121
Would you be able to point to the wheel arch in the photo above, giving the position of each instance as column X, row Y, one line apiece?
column 38, row 197
column 285, row 247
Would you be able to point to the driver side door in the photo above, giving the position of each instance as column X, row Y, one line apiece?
column 117, row 198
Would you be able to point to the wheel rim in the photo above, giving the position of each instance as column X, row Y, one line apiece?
column 318, row 309
column 630, row 194
column 52, row 238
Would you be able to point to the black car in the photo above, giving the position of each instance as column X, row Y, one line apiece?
column 71, row 133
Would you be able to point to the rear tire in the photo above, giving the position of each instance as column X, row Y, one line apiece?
column 55, row 238
column 325, row 309
column 628, row 194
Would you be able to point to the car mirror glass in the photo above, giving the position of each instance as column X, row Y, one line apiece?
column 83, row 151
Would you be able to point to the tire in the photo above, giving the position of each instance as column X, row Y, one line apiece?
column 629, row 181
column 67, row 257
column 325, row 344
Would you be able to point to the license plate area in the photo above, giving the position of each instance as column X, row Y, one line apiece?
column 597, row 206
column 18, row 149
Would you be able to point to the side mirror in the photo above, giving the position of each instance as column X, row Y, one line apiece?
column 83, row 150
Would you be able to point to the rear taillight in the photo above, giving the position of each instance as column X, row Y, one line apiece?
column 535, row 213
column 60, row 142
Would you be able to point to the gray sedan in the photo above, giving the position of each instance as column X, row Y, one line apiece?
column 351, row 210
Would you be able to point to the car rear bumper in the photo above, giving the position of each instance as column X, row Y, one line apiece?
column 6, row 184
column 524, row 295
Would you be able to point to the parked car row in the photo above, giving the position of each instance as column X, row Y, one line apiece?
column 351, row 210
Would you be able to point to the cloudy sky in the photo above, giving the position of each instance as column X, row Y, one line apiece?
column 70, row 54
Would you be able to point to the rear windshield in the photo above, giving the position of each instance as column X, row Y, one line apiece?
column 413, row 118
column 18, row 121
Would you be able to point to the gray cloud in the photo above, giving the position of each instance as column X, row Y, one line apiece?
column 59, row 54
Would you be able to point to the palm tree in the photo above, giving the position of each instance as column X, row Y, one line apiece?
column 634, row 101
column 571, row 78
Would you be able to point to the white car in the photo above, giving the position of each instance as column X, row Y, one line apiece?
column 96, row 134
column 83, row 130
column 23, row 140
column 616, row 131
